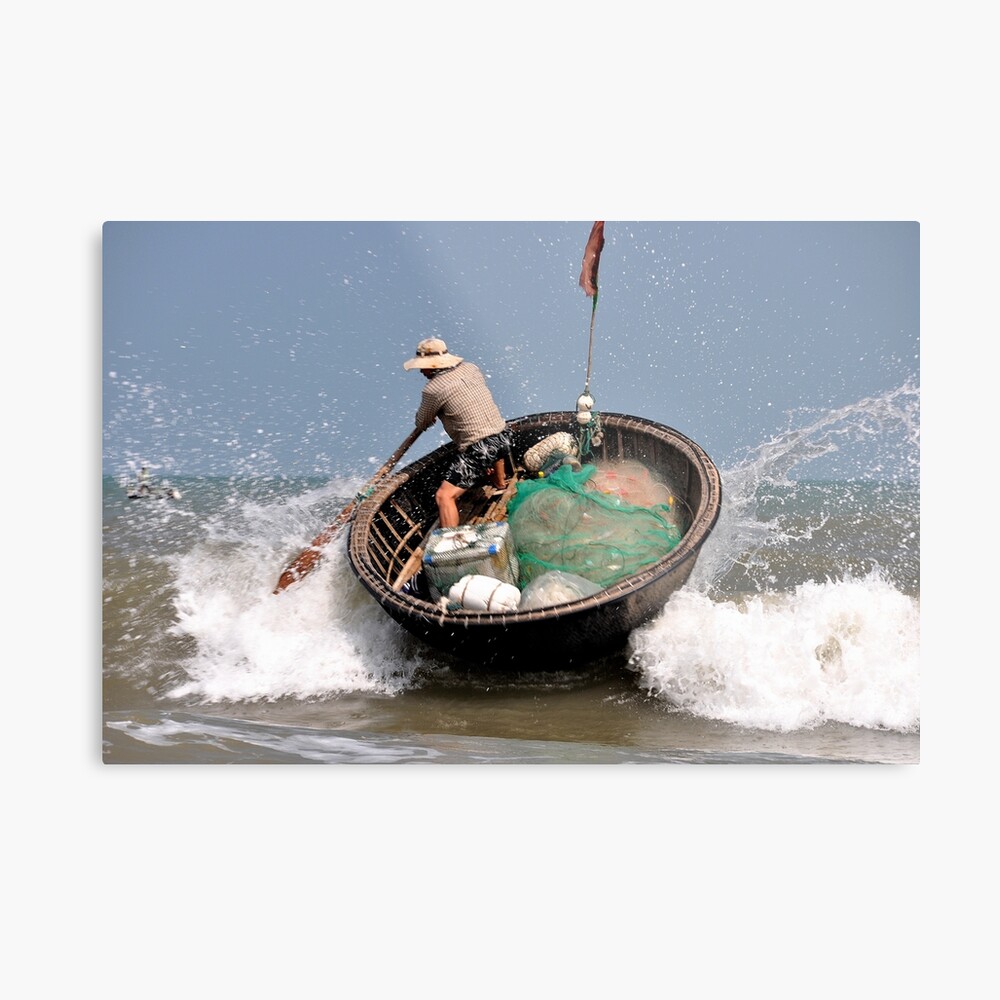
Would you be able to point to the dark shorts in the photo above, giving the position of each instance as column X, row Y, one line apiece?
column 470, row 467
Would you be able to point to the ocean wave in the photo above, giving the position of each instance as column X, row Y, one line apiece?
column 842, row 651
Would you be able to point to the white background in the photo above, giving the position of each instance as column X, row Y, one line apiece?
column 161, row 881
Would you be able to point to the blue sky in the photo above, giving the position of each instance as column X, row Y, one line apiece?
column 249, row 348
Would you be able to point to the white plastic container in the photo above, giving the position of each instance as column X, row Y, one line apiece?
column 470, row 550
column 485, row 593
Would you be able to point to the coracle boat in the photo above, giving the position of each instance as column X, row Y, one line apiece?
column 394, row 525
column 154, row 493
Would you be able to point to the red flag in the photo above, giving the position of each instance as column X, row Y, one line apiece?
column 591, row 258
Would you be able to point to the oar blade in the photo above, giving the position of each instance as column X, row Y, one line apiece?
column 308, row 558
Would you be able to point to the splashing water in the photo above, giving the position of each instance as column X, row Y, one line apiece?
column 844, row 652
column 326, row 637
column 822, row 579
column 890, row 421
column 803, row 606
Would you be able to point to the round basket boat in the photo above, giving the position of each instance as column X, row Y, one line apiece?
column 387, row 535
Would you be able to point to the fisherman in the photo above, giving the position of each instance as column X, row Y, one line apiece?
column 143, row 481
column 457, row 393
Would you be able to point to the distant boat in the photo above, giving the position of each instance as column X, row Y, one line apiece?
column 137, row 489
column 155, row 493
column 393, row 527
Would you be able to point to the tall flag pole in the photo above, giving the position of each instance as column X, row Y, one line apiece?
column 589, row 420
column 588, row 282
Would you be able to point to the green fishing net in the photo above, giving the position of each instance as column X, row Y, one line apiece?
column 579, row 521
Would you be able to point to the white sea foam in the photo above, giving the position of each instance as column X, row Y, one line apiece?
column 320, row 637
column 844, row 651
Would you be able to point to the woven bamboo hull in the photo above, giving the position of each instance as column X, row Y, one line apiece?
column 390, row 525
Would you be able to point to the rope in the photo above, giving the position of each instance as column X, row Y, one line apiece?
column 590, row 435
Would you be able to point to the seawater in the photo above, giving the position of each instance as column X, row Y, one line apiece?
column 796, row 639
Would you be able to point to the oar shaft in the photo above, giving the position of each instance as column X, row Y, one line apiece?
column 307, row 558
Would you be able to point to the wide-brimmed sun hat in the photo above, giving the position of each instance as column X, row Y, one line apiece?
column 432, row 353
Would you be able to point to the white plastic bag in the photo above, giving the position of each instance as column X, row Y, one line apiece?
column 555, row 587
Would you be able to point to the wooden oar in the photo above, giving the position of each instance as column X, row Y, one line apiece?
column 308, row 558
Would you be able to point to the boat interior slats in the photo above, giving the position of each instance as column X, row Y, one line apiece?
column 401, row 577
column 397, row 524
column 407, row 564
column 381, row 552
